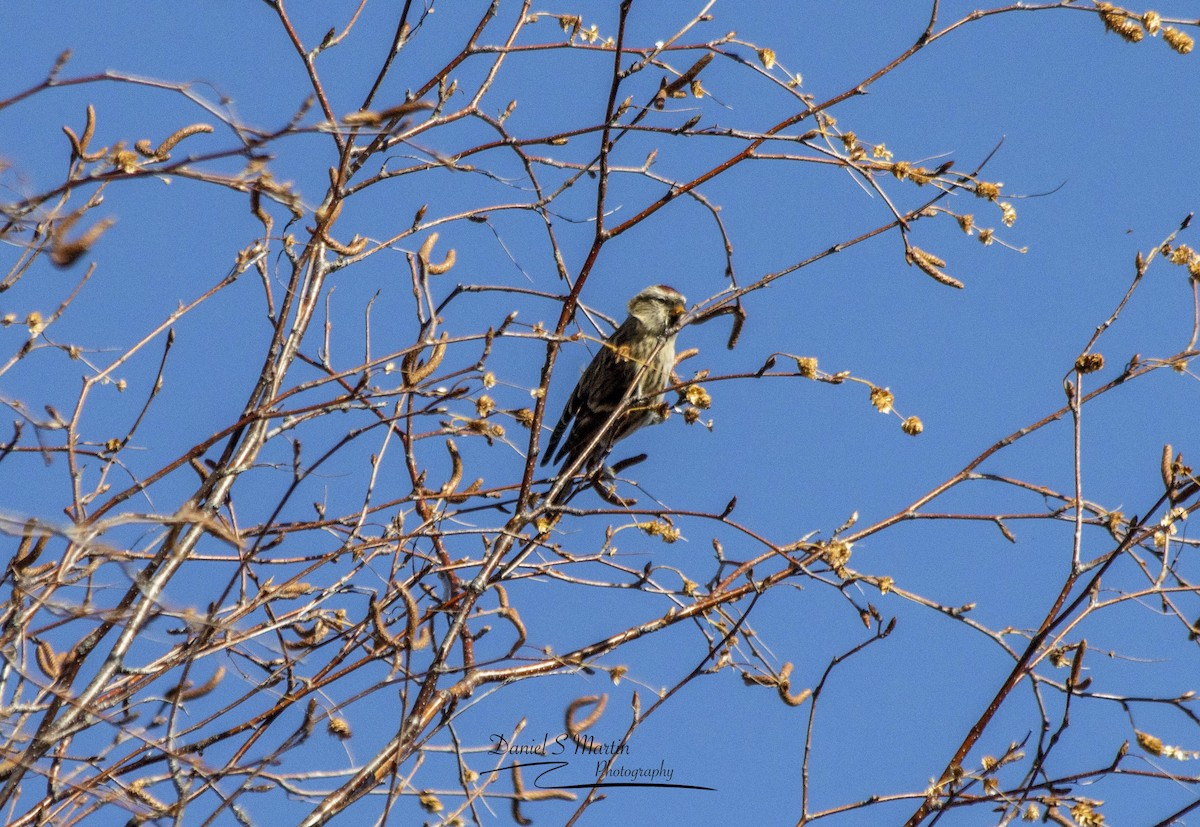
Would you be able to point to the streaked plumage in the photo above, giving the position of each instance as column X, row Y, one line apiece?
column 634, row 365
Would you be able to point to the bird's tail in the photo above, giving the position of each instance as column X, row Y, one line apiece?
column 555, row 438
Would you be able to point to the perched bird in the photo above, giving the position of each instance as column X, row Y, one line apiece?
column 629, row 373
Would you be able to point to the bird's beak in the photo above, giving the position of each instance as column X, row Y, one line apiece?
column 677, row 313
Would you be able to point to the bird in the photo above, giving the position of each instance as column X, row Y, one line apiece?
column 627, row 376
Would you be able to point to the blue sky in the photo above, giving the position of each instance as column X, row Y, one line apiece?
column 1092, row 140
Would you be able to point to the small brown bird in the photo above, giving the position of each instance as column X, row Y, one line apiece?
column 629, row 373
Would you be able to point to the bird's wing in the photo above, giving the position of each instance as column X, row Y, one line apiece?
column 598, row 393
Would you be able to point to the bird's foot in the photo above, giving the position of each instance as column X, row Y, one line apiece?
column 608, row 491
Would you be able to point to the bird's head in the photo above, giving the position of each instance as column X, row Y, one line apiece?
column 658, row 307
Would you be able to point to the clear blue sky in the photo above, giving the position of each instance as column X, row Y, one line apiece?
column 1095, row 151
